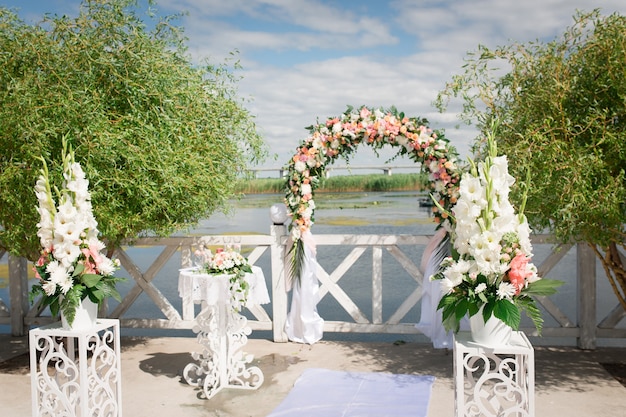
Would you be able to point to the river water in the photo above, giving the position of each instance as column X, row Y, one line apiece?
column 342, row 213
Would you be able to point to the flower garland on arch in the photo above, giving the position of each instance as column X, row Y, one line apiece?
column 340, row 136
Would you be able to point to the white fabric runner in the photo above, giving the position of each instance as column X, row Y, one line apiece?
column 304, row 324
column 430, row 320
column 327, row 393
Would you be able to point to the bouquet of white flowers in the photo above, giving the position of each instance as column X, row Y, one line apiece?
column 227, row 262
column 491, row 265
column 71, row 266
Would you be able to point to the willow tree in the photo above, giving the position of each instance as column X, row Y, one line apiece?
column 561, row 107
column 160, row 138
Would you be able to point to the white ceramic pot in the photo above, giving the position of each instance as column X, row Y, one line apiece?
column 85, row 318
column 494, row 333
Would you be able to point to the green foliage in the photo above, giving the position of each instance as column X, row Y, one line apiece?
column 465, row 301
column 562, row 108
column 160, row 138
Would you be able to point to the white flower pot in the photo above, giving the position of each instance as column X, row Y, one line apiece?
column 494, row 333
column 85, row 318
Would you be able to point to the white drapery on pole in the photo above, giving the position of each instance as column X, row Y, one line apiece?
column 431, row 320
column 304, row 325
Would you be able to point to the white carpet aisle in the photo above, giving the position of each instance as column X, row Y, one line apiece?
column 325, row 393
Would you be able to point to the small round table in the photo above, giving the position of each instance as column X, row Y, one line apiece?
column 221, row 330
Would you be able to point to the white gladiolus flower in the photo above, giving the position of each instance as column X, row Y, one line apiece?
column 69, row 232
column 499, row 174
column 465, row 211
column 471, row 189
column 66, row 252
column 66, row 211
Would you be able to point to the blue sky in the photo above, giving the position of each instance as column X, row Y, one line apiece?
column 305, row 60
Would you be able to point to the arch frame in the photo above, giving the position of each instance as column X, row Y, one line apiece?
column 340, row 136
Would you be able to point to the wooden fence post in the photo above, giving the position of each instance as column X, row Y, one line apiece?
column 279, row 276
column 18, row 294
column 586, row 279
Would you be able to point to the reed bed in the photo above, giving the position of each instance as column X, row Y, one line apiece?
column 341, row 183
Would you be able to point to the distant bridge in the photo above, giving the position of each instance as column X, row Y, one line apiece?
column 386, row 169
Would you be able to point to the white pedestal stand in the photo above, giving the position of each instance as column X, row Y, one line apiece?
column 76, row 373
column 494, row 381
column 223, row 333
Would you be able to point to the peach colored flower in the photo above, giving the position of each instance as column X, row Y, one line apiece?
column 518, row 272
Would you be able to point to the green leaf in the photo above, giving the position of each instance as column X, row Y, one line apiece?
column 461, row 309
column 508, row 313
column 91, row 280
column 528, row 305
column 543, row 287
column 446, row 300
column 78, row 270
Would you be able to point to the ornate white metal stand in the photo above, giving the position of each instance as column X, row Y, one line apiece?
column 76, row 373
column 498, row 382
column 222, row 332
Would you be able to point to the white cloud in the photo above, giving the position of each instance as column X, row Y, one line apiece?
column 306, row 60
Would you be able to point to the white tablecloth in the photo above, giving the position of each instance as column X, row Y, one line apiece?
column 214, row 289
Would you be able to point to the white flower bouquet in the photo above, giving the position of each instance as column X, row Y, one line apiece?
column 72, row 265
column 490, row 266
column 227, row 262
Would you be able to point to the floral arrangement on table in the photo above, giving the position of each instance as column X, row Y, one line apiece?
column 339, row 136
column 491, row 264
column 72, row 265
column 227, row 262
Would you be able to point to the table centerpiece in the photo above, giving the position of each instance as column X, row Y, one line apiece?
column 227, row 261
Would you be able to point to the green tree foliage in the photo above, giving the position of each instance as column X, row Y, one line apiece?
column 561, row 107
column 161, row 139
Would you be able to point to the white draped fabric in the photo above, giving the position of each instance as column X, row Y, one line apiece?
column 304, row 324
column 215, row 289
column 430, row 320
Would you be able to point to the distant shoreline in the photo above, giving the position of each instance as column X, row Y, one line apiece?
column 342, row 183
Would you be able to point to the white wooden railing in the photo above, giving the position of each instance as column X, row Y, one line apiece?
column 379, row 317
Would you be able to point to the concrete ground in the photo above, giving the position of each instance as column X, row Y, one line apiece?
column 569, row 382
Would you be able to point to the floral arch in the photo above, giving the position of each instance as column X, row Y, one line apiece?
column 340, row 136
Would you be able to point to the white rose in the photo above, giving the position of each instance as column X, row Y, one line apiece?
column 402, row 140
column 305, row 189
column 300, row 166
